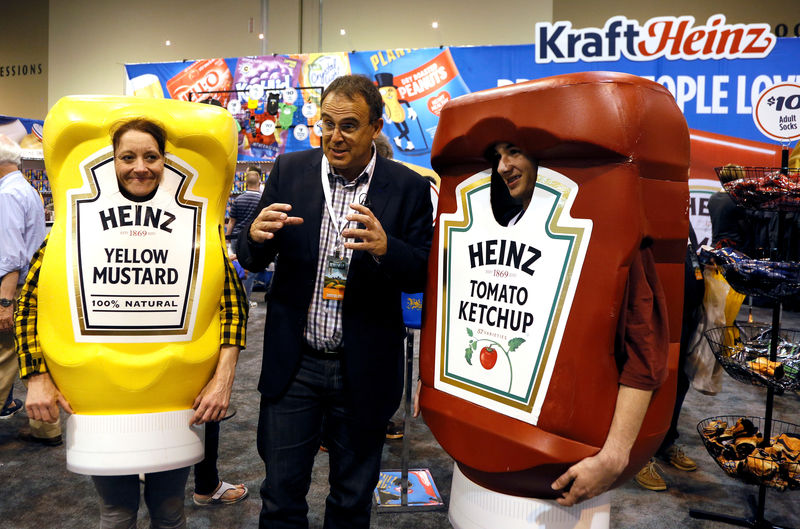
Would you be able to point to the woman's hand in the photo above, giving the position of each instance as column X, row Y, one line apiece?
column 44, row 399
column 212, row 402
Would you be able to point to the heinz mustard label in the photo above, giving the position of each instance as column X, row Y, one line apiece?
column 136, row 264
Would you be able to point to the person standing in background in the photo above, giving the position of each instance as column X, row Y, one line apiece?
column 693, row 291
column 22, row 230
column 243, row 210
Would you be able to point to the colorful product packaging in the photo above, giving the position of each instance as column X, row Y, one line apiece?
column 317, row 72
column 210, row 75
column 262, row 76
column 415, row 85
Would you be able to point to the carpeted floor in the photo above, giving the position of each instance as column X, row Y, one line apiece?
column 39, row 493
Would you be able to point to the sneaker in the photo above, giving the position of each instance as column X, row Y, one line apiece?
column 253, row 304
column 675, row 457
column 394, row 430
column 10, row 410
column 649, row 477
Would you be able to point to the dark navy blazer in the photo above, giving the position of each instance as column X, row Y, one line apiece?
column 372, row 322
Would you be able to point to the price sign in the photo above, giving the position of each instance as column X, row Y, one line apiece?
column 290, row 95
column 309, row 110
column 777, row 112
column 255, row 91
column 234, row 106
column 300, row 132
column 267, row 127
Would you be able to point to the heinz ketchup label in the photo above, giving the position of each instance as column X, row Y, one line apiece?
column 505, row 294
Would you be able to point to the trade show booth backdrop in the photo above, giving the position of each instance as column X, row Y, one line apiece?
column 715, row 71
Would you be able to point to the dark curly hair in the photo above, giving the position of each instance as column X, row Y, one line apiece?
column 351, row 86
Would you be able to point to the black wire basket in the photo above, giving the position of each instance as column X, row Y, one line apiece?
column 761, row 277
column 767, row 188
column 737, row 445
column 743, row 351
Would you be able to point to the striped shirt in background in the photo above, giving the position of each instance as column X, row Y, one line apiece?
column 243, row 211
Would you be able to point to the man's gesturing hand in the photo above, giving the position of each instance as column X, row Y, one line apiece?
column 373, row 237
column 271, row 219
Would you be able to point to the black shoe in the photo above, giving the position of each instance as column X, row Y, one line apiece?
column 9, row 411
column 27, row 436
column 394, row 430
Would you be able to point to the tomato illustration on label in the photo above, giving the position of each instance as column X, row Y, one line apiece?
column 488, row 357
column 488, row 353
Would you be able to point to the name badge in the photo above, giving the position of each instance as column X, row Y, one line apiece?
column 335, row 278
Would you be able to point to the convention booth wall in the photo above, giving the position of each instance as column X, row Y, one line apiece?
column 714, row 70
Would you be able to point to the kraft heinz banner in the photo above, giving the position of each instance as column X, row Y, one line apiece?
column 670, row 37
column 715, row 71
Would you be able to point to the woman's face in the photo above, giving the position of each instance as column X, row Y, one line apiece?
column 138, row 163
column 517, row 171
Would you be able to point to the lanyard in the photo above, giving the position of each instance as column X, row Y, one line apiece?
column 326, row 191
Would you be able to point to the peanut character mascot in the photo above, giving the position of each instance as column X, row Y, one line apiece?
column 393, row 109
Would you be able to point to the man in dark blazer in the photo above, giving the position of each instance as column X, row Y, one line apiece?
column 337, row 215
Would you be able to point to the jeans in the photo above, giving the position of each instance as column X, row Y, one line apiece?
column 688, row 327
column 163, row 495
column 289, row 438
column 247, row 282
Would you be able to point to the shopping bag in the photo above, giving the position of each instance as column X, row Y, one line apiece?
column 720, row 307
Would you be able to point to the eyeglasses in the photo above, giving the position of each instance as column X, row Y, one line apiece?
column 347, row 128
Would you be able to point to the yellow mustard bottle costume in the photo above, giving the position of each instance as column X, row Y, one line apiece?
column 129, row 323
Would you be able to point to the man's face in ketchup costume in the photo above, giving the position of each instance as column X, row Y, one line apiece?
column 517, row 170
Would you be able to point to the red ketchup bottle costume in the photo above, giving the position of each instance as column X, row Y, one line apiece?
column 518, row 366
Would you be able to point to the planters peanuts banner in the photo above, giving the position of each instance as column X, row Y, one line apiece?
column 715, row 71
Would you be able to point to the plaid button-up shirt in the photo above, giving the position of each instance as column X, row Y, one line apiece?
column 324, row 327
